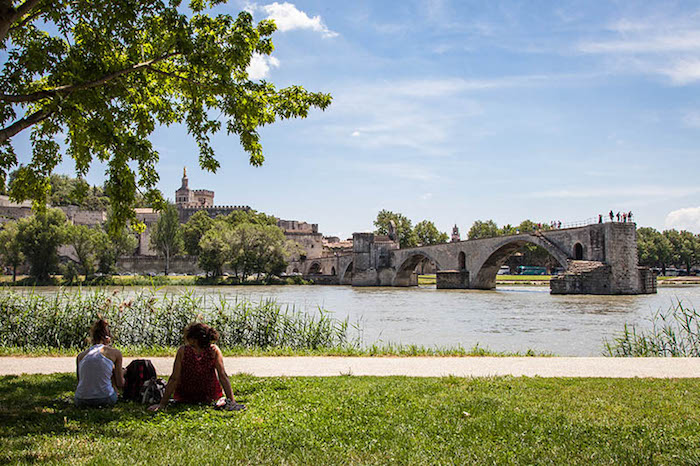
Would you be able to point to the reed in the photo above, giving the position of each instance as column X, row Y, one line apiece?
column 38, row 322
column 673, row 332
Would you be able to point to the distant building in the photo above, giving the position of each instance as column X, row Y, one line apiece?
column 455, row 234
column 189, row 201
column 186, row 197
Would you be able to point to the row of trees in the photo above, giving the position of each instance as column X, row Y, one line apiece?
column 36, row 240
column 670, row 247
column 424, row 233
column 532, row 254
column 249, row 242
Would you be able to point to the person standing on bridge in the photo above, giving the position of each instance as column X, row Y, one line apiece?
column 600, row 218
column 612, row 216
column 629, row 215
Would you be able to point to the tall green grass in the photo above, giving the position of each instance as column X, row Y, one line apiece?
column 38, row 322
column 674, row 332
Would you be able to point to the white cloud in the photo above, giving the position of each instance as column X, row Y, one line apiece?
column 427, row 196
column 355, row 134
column 684, row 219
column 260, row 66
column 654, row 43
column 684, row 71
column 692, row 120
column 663, row 46
column 287, row 18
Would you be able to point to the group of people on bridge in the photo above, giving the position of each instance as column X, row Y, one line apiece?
column 623, row 217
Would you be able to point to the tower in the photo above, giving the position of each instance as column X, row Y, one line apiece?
column 183, row 196
column 455, row 234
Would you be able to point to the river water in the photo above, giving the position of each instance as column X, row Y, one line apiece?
column 515, row 318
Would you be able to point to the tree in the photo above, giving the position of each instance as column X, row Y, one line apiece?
column 254, row 217
column 684, row 246
column 483, row 229
column 40, row 236
column 166, row 237
column 106, row 74
column 11, row 248
column 119, row 242
column 427, row 233
column 653, row 248
column 86, row 243
column 258, row 249
column 194, row 230
column 404, row 230
column 215, row 249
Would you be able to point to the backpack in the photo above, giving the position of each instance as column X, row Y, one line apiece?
column 152, row 391
column 137, row 373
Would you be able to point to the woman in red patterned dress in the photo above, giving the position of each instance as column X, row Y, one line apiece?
column 198, row 373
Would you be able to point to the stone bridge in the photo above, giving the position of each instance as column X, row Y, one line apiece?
column 597, row 258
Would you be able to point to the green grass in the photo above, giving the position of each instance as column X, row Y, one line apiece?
column 383, row 350
column 142, row 280
column 500, row 279
column 366, row 420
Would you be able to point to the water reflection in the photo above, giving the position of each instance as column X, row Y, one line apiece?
column 506, row 319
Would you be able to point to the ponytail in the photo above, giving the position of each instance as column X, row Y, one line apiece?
column 203, row 334
column 100, row 331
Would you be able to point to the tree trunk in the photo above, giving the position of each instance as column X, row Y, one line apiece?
column 167, row 262
column 14, row 273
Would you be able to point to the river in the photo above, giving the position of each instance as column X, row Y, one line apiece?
column 515, row 318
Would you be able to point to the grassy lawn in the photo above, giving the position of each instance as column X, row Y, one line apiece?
column 365, row 420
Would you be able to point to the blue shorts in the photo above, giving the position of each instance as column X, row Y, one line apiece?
column 106, row 401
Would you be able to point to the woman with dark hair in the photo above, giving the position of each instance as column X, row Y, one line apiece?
column 99, row 369
column 198, row 373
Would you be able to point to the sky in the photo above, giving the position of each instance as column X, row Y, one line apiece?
column 456, row 111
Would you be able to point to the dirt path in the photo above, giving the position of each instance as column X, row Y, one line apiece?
column 409, row 366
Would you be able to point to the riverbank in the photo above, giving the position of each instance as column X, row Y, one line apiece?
column 366, row 420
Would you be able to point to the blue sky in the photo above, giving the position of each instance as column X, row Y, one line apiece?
column 458, row 111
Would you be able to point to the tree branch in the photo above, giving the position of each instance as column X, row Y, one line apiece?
column 174, row 75
column 68, row 88
column 26, row 20
column 9, row 14
column 24, row 123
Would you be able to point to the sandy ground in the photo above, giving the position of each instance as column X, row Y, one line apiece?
column 408, row 366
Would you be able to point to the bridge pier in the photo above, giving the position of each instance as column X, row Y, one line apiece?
column 452, row 279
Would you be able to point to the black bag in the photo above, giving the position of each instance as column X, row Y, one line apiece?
column 137, row 373
column 152, row 391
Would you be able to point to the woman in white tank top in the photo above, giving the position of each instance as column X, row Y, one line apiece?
column 99, row 369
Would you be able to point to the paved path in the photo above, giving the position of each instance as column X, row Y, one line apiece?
column 408, row 366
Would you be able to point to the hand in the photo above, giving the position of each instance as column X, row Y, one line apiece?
column 156, row 407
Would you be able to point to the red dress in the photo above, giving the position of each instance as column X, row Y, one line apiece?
column 198, row 380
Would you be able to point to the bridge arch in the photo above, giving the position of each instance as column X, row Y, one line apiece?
column 315, row 268
column 409, row 264
column 345, row 275
column 486, row 271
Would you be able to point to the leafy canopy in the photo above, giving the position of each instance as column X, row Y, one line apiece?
column 106, row 73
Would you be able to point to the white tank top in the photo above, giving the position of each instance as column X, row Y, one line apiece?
column 95, row 374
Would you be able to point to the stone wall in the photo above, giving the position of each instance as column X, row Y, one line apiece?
column 152, row 264
column 621, row 255
column 583, row 277
column 647, row 280
column 452, row 279
column 312, row 243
